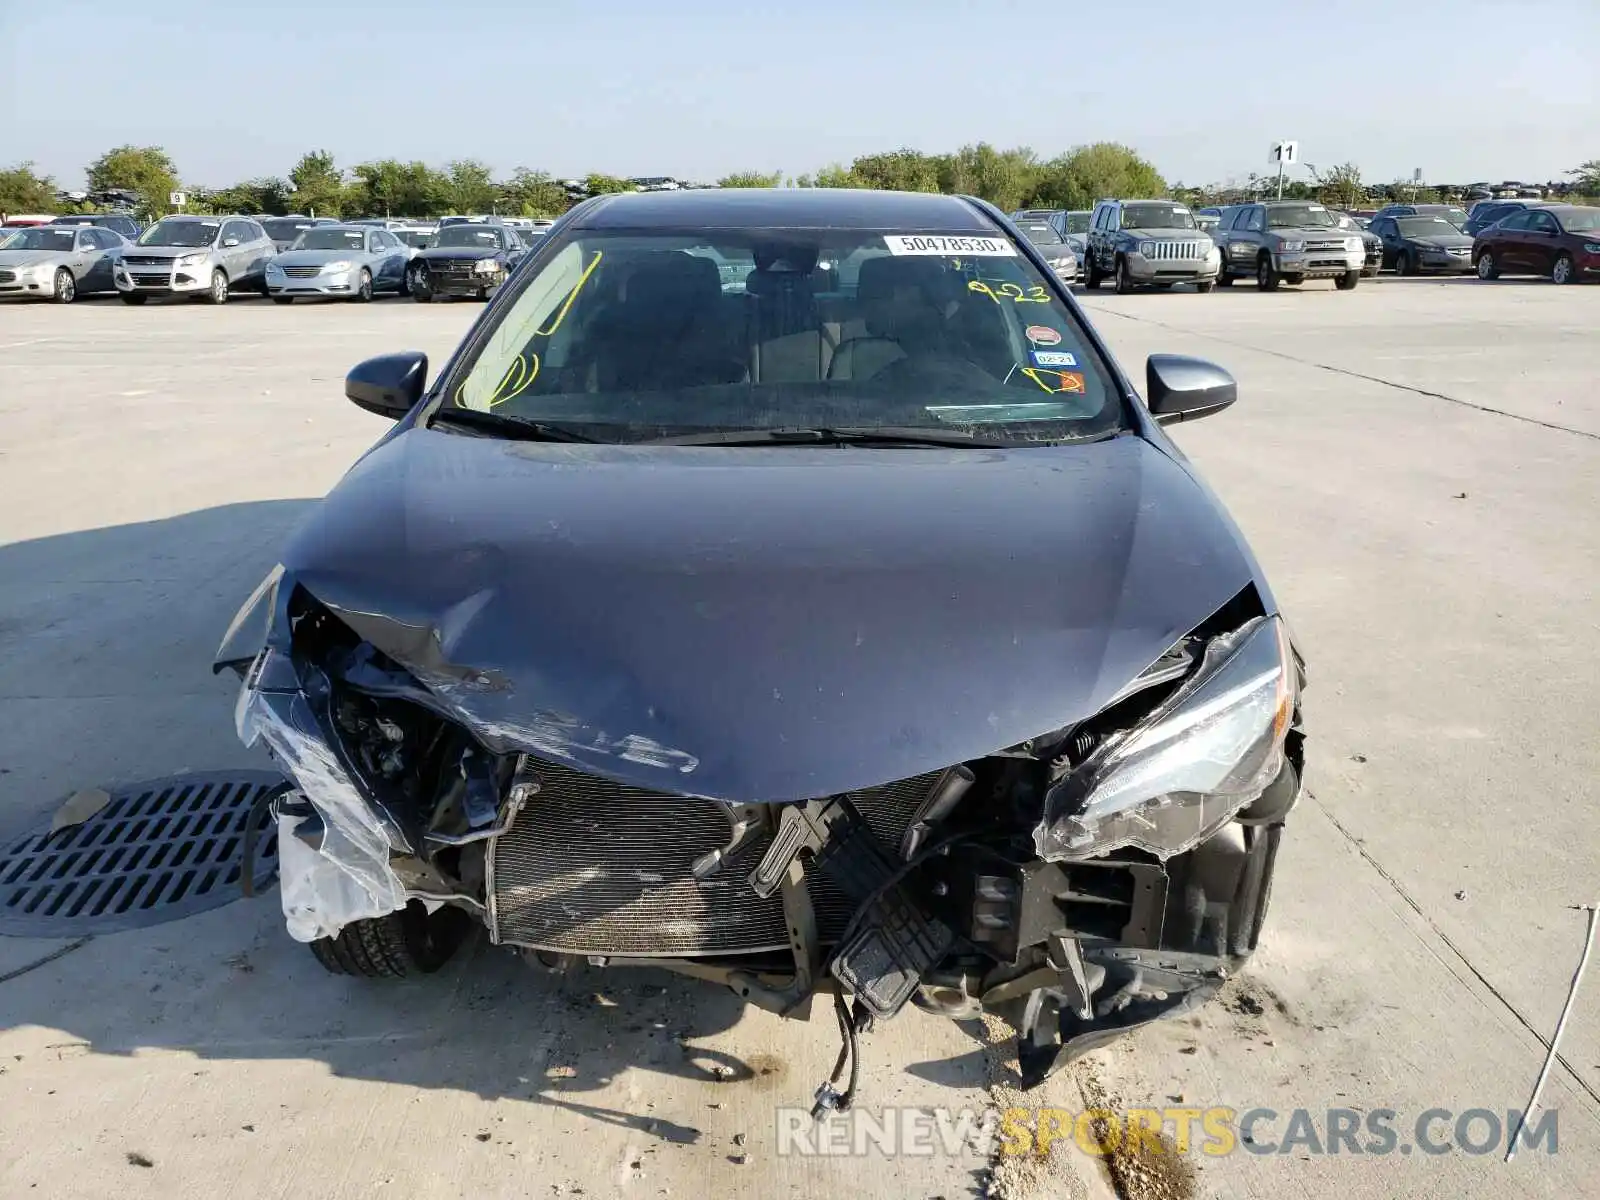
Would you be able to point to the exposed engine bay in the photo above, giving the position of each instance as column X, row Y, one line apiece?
column 1079, row 884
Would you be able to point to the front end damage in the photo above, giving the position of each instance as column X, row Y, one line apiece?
column 1078, row 884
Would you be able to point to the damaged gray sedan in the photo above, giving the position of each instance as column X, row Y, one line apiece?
column 785, row 588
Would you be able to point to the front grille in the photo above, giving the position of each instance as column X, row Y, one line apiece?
column 1323, row 247
column 302, row 272
column 146, row 260
column 1165, row 250
column 595, row 867
column 143, row 279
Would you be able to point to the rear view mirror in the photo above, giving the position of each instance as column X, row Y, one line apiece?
column 1180, row 388
column 389, row 385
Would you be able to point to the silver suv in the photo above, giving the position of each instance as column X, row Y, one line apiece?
column 1288, row 241
column 1153, row 243
column 195, row 256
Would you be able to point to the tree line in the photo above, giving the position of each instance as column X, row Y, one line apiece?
column 1009, row 178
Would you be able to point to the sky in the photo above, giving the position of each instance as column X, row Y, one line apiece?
column 695, row 89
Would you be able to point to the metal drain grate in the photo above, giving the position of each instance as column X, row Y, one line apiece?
column 158, row 851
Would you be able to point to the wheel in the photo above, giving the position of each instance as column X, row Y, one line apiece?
column 1405, row 264
column 483, row 295
column 1124, row 278
column 1266, row 278
column 1347, row 282
column 363, row 292
column 283, row 299
column 66, row 288
column 412, row 941
column 1562, row 271
column 1091, row 273
column 219, row 288
column 1205, row 285
column 133, row 298
column 421, row 289
column 1224, row 279
column 1486, row 266
column 405, row 279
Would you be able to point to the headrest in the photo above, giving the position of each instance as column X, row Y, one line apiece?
column 672, row 278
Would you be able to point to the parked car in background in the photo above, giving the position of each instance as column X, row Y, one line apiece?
column 532, row 236
column 346, row 262
column 1071, row 224
column 469, row 258
column 1453, row 213
column 1371, row 243
column 1288, row 241
column 284, row 230
column 1558, row 240
column 1055, row 248
column 1486, row 212
column 26, row 220
column 121, row 223
column 1415, row 244
column 1143, row 243
column 195, row 256
column 59, row 262
column 418, row 237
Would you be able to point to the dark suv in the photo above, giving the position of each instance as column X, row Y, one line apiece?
column 116, row 222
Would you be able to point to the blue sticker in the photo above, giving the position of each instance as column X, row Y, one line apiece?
column 1052, row 358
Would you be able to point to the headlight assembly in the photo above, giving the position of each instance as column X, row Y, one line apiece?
column 1592, row 247
column 1147, row 249
column 1292, row 245
column 1354, row 244
column 335, row 267
column 191, row 260
column 486, row 266
column 1176, row 778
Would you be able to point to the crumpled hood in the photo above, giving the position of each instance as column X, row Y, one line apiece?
column 768, row 623
column 473, row 252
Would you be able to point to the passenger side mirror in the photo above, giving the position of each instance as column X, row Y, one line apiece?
column 229, row 242
column 1180, row 388
column 389, row 385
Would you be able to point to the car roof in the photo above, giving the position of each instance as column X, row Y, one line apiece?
column 1564, row 209
column 796, row 208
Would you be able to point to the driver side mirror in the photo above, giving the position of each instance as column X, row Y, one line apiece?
column 1180, row 388
column 229, row 242
column 389, row 385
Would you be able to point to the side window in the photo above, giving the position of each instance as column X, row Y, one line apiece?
column 1541, row 222
column 235, row 229
column 1255, row 220
column 1517, row 220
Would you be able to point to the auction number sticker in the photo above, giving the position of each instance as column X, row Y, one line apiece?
column 940, row 245
column 1042, row 335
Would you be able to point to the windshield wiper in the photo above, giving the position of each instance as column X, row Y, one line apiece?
column 793, row 435
column 519, row 428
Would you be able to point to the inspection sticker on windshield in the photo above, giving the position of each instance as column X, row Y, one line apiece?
column 940, row 246
column 1042, row 335
column 1052, row 358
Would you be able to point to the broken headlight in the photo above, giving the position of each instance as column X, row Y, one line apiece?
column 1181, row 774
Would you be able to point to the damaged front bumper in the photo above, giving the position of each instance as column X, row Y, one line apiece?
column 1082, row 884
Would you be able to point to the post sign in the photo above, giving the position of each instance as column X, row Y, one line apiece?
column 1284, row 154
column 177, row 199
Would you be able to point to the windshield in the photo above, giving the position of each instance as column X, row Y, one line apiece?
column 1580, row 219
column 1078, row 222
column 1425, row 227
column 180, row 233
column 40, row 238
column 1456, row 216
column 1040, row 235
column 330, row 238
column 1297, row 216
column 285, row 230
column 479, row 237
column 637, row 336
column 1156, row 216
column 415, row 237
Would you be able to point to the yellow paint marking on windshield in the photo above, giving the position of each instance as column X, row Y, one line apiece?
column 1057, row 382
column 1013, row 292
column 561, row 314
column 525, row 375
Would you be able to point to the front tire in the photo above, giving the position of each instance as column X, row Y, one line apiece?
column 397, row 945
column 1224, row 279
column 363, row 293
column 1404, row 264
column 421, row 289
column 1487, row 269
column 1124, row 278
column 1091, row 274
column 1348, row 281
column 1562, row 272
column 1267, row 278
column 219, row 288
column 65, row 290
column 1205, row 285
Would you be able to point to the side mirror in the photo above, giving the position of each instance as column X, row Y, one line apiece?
column 1180, row 388
column 389, row 385
column 229, row 242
